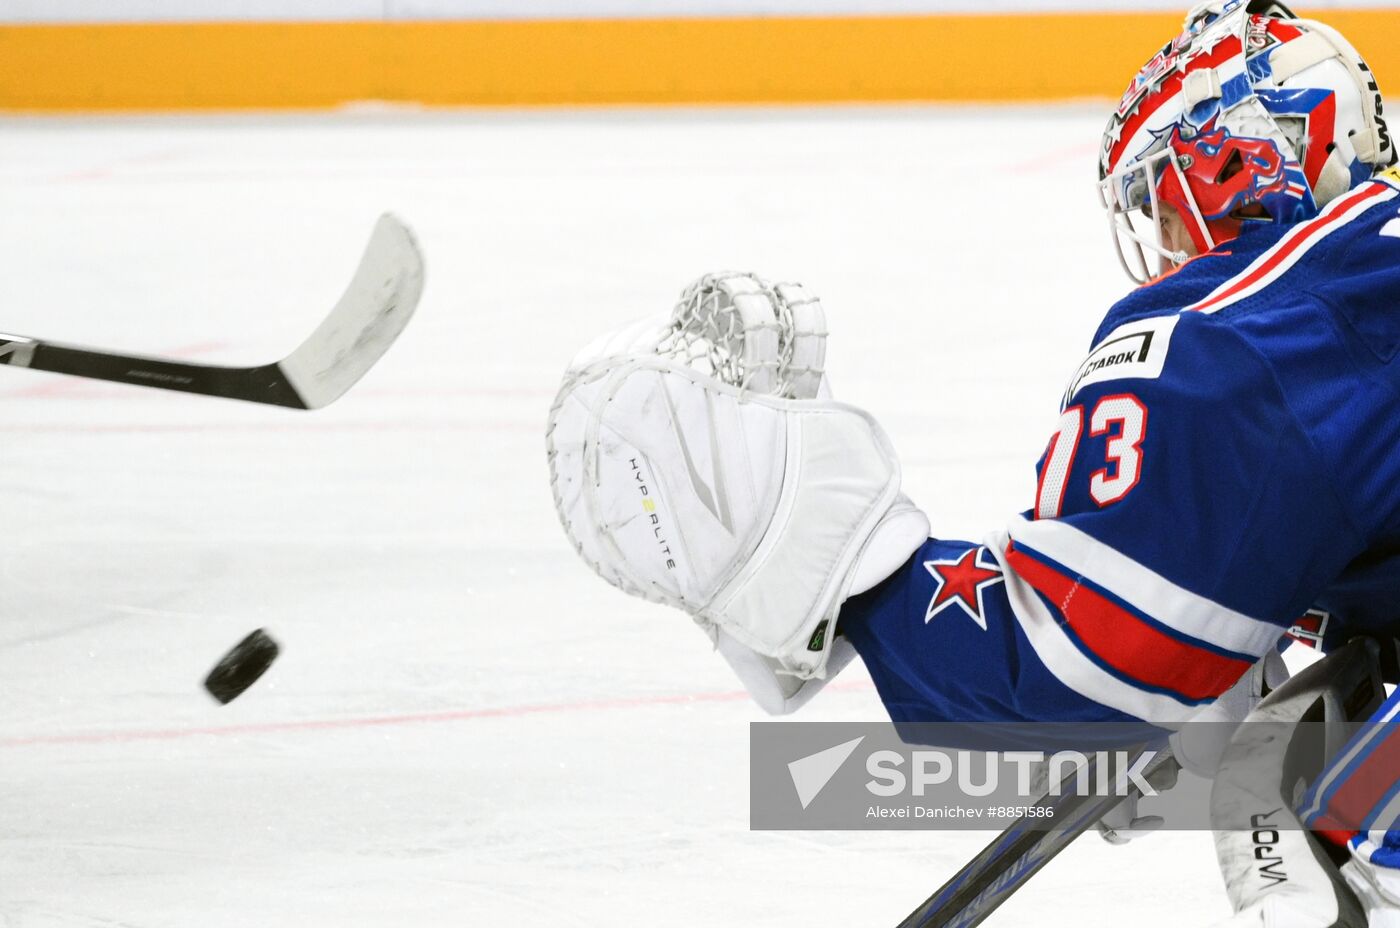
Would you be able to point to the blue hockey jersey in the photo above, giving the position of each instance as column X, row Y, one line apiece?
column 1226, row 459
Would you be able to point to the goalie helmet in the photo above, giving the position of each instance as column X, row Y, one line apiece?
column 1249, row 115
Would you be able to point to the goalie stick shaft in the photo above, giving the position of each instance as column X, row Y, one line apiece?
column 263, row 384
column 367, row 319
column 1017, row 854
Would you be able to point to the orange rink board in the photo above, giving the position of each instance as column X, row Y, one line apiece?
column 259, row 65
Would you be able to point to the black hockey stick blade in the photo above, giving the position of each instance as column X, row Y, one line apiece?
column 368, row 318
column 1017, row 854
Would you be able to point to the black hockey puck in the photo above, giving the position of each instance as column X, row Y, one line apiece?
column 241, row 667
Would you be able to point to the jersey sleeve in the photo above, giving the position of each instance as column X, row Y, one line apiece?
column 942, row 644
column 1183, row 520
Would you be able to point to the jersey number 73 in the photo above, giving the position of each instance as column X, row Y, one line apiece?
column 1123, row 418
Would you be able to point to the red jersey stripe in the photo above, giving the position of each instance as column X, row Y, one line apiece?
column 1124, row 641
column 1305, row 234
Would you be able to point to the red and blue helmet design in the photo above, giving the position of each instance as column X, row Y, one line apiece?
column 1232, row 179
column 1249, row 115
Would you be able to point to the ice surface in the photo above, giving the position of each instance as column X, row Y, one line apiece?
column 465, row 726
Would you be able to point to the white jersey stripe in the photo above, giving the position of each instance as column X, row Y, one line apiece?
column 1152, row 594
column 1290, row 249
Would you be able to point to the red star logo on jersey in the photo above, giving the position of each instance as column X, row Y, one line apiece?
column 961, row 582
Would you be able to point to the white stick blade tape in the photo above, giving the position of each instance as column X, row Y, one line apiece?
column 369, row 317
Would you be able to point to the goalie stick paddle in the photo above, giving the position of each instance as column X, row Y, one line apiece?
column 1017, row 854
column 368, row 318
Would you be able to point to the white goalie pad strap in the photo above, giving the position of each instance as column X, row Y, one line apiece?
column 903, row 529
column 776, row 691
column 841, row 478
column 746, row 511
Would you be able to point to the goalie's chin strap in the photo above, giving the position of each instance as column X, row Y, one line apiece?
column 1175, row 257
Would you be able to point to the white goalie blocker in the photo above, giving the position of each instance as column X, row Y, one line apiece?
column 697, row 461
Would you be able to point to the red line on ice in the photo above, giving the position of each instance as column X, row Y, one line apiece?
column 373, row 721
